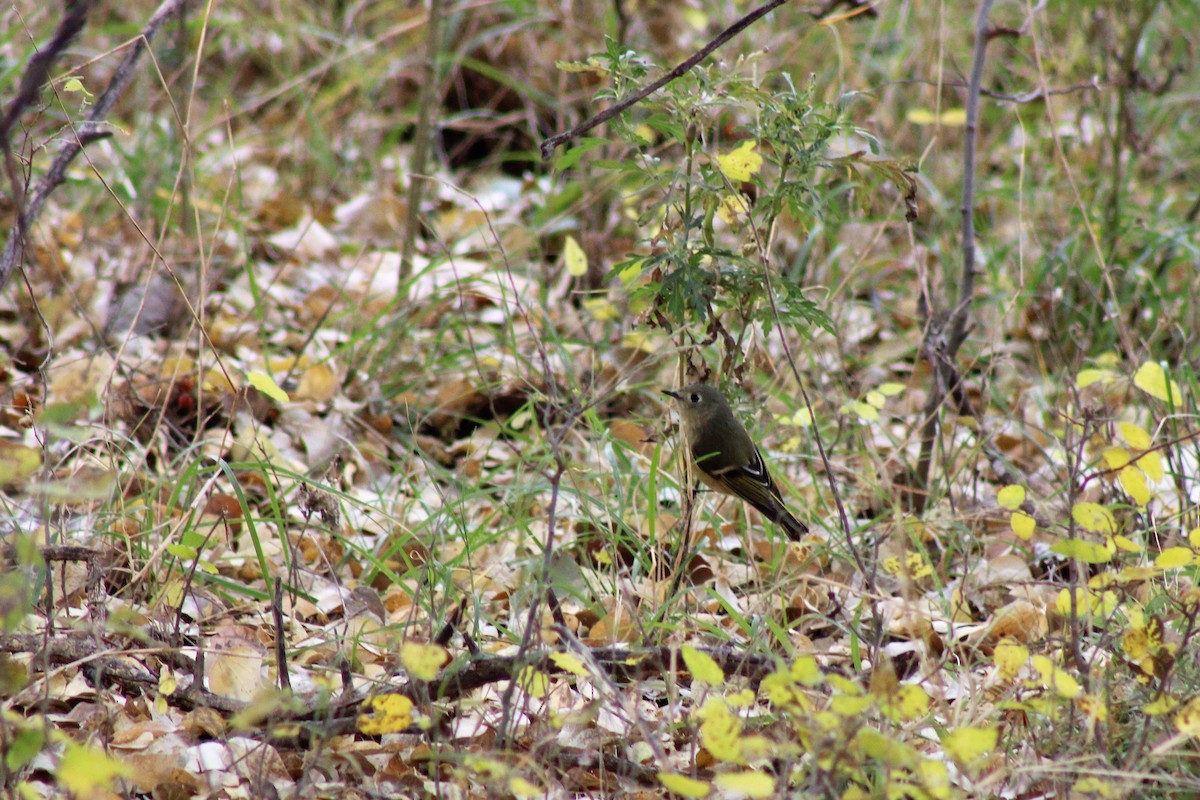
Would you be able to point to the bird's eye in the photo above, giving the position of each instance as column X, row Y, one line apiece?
column 695, row 398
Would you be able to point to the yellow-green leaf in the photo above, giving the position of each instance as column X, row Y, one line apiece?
column 1011, row 497
column 1175, row 557
column 965, row 745
column 1056, row 678
column 1023, row 525
column 951, row 117
column 18, row 462
column 1094, row 517
column 520, row 787
column 535, row 682
column 1133, row 481
column 747, row 784
column 1087, row 552
column 1087, row 377
column 1009, row 656
column 742, row 163
column 266, row 384
column 569, row 662
column 85, row 770
column 702, row 667
column 1152, row 379
column 684, row 786
column 574, row 257
column 1134, row 435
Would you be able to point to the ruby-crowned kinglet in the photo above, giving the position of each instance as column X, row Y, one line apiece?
column 725, row 456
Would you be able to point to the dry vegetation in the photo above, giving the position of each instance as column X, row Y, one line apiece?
column 332, row 470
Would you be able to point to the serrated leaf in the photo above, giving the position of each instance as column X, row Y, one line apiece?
column 702, row 667
column 1152, row 379
column 740, row 164
column 1187, row 721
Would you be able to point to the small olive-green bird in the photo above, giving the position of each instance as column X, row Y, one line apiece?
column 725, row 456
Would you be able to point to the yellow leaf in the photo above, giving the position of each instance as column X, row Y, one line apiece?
column 1094, row 517
column 1152, row 379
column 1087, row 552
column 1163, row 705
column 702, row 667
column 908, row 702
column 266, row 384
column 1011, row 497
column 953, row 117
column 423, row 661
column 739, row 165
column 875, row 399
column 1194, row 537
column 317, row 383
column 1009, row 656
column 734, row 210
column 1188, row 719
column 602, row 309
column 721, row 731
column 1056, row 678
column 523, row 788
column 385, row 713
column 848, row 706
column 1023, row 525
column 85, row 771
column 1175, row 557
column 1134, row 435
column 535, row 682
column 891, row 389
column 18, row 462
column 1087, row 377
column 1133, row 481
column 1115, row 457
column 1151, row 464
column 569, row 662
column 683, row 785
column 574, row 257
column 965, row 745
column 864, row 411
column 747, row 784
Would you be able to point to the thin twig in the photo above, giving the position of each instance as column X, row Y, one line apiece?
column 90, row 130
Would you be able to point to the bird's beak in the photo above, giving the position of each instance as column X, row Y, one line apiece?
column 670, row 394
